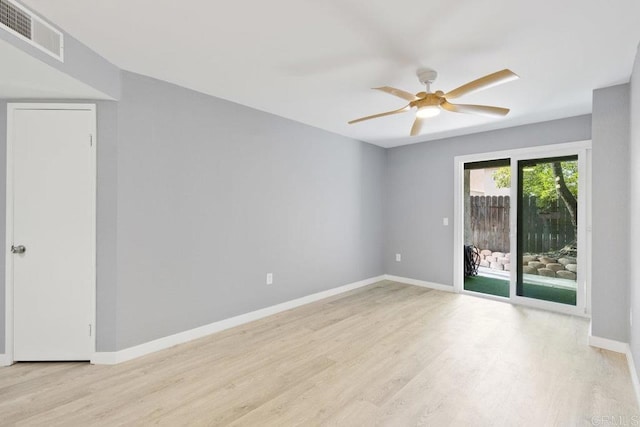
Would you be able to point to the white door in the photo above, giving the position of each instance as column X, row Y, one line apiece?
column 53, row 221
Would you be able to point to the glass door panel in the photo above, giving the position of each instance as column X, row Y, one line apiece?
column 547, row 229
column 487, row 187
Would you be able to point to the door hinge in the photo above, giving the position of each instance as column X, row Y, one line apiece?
column 90, row 140
column 90, row 329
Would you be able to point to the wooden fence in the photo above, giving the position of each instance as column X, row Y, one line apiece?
column 542, row 232
column 489, row 218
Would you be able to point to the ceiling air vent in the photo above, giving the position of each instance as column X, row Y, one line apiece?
column 22, row 22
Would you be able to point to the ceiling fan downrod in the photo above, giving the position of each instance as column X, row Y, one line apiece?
column 426, row 76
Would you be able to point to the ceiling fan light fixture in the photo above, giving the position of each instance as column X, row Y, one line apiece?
column 428, row 111
column 430, row 103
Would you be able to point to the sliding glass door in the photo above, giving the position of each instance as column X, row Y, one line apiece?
column 522, row 226
column 548, row 223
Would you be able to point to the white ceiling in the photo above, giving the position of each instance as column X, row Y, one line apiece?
column 315, row 61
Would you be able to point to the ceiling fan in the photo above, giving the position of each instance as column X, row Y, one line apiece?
column 429, row 104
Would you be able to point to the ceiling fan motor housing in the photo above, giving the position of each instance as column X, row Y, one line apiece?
column 428, row 100
column 426, row 75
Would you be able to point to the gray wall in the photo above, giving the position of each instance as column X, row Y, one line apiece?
column 634, row 203
column 106, row 225
column 198, row 198
column 80, row 62
column 610, row 214
column 212, row 195
column 3, row 211
column 420, row 192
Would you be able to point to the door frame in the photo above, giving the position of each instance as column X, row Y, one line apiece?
column 9, row 285
column 583, row 149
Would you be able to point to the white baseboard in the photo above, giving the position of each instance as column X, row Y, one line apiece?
column 5, row 360
column 634, row 374
column 420, row 283
column 619, row 347
column 105, row 358
column 112, row 358
column 607, row 344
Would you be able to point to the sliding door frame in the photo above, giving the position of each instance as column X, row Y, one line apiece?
column 583, row 294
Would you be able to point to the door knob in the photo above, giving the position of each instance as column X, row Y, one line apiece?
column 18, row 249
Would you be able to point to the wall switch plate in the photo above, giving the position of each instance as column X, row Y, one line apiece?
column 445, row 221
column 398, row 257
column 269, row 278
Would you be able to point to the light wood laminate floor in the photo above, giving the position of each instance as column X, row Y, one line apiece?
column 387, row 354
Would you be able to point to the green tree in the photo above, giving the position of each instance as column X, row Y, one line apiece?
column 548, row 182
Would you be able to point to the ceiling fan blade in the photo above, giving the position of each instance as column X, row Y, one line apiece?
column 388, row 113
column 397, row 92
column 417, row 126
column 485, row 82
column 484, row 110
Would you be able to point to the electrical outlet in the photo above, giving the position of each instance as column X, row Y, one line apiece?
column 398, row 257
column 445, row 221
column 269, row 278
